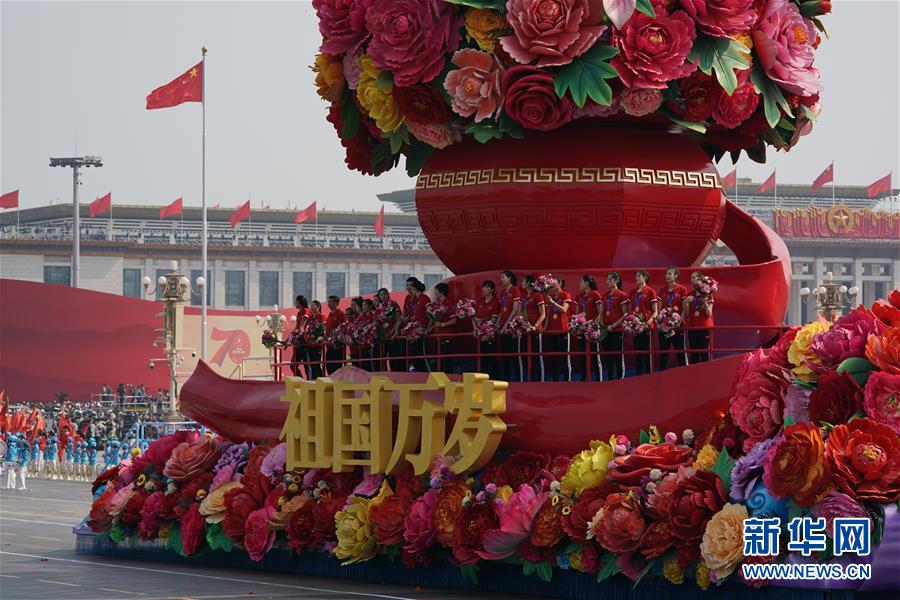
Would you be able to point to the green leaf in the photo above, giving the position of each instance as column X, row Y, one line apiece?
column 773, row 100
column 398, row 138
column 173, row 540
column 610, row 567
column 644, row 437
column 385, row 81
column 723, row 466
column 416, row 156
column 572, row 548
column 470, row 572
column 585, row 77
column 499, row 5
column 511, row 127
column 644, row 571
column 392, row 552
column 349, row 117
column 809, row 114
column 857, row 368
column 794, row 511
column 876, row 513
column 722, row 55
column 788, row 420
column 693, row 126
column 528, row 568
column 545, row 571
column 785, row 124
column 645, row 7
column 485, row 131
column 116, row 533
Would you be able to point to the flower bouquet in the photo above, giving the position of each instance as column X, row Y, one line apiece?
column 294, row 338
column 544, row 282
column 340, row 335
column 315, row 332
column 707, row 286
column 386, row 312
column 365, row 333
column 668, row 320
column 485, row 330
column 735, row 74
column 435, row 311
column 518, row 326
column 634, row 324
column 269, row 339
column 413, row 331
column 576, row 324
column 595, row 332
column 465, row 309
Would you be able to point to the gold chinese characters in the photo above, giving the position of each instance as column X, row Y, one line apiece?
column 341, row 425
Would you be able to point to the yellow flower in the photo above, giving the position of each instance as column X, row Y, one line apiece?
column 355, row 534
column 672, row 571
column 135, row 452
column 702, row 576
column 286, row 509
column 799, row 353
column 654, row 437
column 485, row 26
column 504, row 493
column 141, row 480
column 588, row 469
column 706, row 458
column 723, row 542
column 213, row 506
column 163, row 533
column 330, row 82
column 378, row 100
column 575, row 560
column 746, row 40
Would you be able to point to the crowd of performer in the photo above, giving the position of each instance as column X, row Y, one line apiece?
column 519, row 329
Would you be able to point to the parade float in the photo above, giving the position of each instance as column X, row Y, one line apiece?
column 569, row 136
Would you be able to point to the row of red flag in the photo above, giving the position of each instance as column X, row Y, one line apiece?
column 881, row 186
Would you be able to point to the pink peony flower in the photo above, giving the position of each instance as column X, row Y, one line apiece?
column 796, row 403
column 882, row 399
column 188, row 460
column 351, row 68
column 258, row 536
column 435, row 135
column 150, row 515
column 474, row 87
column 551, row 32
column 342, row 24
column 757, row 401
column 638, row 102
column 835, row 504
column 783, row 41
column 225, row 475
column 731, row 111
column 531, row 99
column 411, row 37
column 120, row 499
column 274, row 463
column 721, row 18
column 420, row 532
column 653, row 52
column 592, row 109
column 846, row 339
column 516, row 519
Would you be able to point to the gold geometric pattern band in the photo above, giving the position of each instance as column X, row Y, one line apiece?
column 692, row 179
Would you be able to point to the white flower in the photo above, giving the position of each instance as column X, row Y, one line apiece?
column 655, row 474
column 688, row 436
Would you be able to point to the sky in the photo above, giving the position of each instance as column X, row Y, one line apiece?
column 74, row 77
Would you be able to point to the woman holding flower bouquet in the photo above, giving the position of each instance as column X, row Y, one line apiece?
column 558, row 300
column 669, row 321
column 315, row 332
column 535, row 310
column 589, row 303
column 388, row 314
column 420, row 318
column 614, row 304
column 487, row 311
column 297, row 337
column 510, row 304
column 697, row 312
column 643, row 303
column 367, row 335
column 334, row 351
column 443, row 321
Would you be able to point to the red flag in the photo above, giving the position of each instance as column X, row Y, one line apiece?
column 10, row 199
column 101, row 205
column 4, row 407
column 768, row 184
column 187, row 87
column 879, row 187
column 241, row 213
column 378, row 225
column 827, row 176
column 172, row 210
column 730, row 180
column 307, row 214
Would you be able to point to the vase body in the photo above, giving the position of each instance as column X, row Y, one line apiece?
column 586, row 196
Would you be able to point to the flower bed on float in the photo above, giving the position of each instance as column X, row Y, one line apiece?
column 406, row 77
column 813, row 429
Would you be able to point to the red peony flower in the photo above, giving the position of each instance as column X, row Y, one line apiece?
column 619, row 525
column 323, row 513
column 551, row 32
column 419, row 531
column 300, row 528
column 447, row 509
column 590, row 559
column 721, row 18
column 471, row 524
column 193, row 530
column 888, row 310
column 187, row 495
column 524, row 468
column 576, row 522
column 104, row 477
column 258, row 536
column 882, row 399
column 342, row 24
column 359, row 148
column 694, row 501
column 494, row 472
column 653, row 52
column 187, row 461
column 757, row 401
column 150, row 515
column 422, row 104
column 411, row 37
column 559, row 465
column 254, row 461
column 131, row 514
column 631, row 468
column 731, row 111
column 546, row 529
column 531, row 553
column 100, row 519
column 531, row 99
column 240, row 502
column 884, row 351
column 388, row 516
column 836, row 398
column 795, row 466
column 864, row 459
column 657, row 540
column 699, row 95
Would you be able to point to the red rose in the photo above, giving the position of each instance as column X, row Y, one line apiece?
column 721, row 18
column 323, row 513
column 653, row 52
column 531, row 99
column 131, row 514
column 575, row 523
column 631, row 468
column 695, row 500
column 864, row 459
column 657, row 540
column 835, row 399
column 621, row 525
column 731, row 111
column 388, row 516
column 193, row 530
column 422, row 104
column 100, row 520
column 471, row 524
column 795, row 466
column 699, row 95
column 524, row 468
column 546, row 529
column 300, row 528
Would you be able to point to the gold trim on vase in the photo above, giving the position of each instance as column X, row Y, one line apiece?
column 543, row 175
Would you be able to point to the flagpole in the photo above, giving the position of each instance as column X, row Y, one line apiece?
column 735, row 185
column 203, row 257
column 832, row 183
column 776, row 188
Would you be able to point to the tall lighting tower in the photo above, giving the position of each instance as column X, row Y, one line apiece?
column 76, row 163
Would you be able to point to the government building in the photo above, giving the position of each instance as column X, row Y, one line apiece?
column 270, row 259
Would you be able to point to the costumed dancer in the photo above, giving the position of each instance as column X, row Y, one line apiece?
column 24, row 459
column 111, row 454
column 10, row 460
column 92, row 460
column 68, row 470
column 51, row 457
column 39, row 459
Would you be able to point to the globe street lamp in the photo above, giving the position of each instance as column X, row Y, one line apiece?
column 831, row 298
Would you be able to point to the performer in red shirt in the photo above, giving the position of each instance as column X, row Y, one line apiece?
column 420, row 314
column 697, row 310
column 588, row 305
column 510, row 304
column 447, row 324
column 614, row 303
column 389, row 346
column 300, row 353
column 535, row 310
column 335, row 353
column 671, row 296
column 314, row 329
column 401, row 345
column 642, row 301
column 557, row 332
column 487, row 308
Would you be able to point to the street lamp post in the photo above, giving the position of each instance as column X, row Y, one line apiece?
column 173, row 286
column 830, row 297
column 76, row 163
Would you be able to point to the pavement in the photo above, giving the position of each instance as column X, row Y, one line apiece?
column 38, row 560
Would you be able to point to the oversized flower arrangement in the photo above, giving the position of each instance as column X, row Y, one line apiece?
column 406, row 77
column 826, row 445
